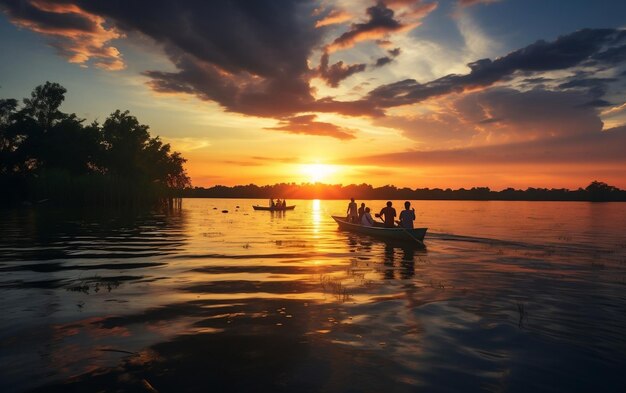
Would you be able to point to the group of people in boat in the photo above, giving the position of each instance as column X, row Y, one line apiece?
column 361, row 215
column 278, row 204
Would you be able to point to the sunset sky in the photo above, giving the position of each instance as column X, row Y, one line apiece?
column 459, row 93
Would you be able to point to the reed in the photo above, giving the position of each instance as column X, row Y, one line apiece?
column 335, row 287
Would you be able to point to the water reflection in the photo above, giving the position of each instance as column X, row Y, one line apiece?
column 242, row 301
column 316, row 215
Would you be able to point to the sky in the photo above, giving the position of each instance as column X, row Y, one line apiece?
column 414, row 93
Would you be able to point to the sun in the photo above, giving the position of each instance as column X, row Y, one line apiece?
column 318, row 172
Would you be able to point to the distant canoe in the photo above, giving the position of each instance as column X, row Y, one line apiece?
column 415, row 235
column 274, row 209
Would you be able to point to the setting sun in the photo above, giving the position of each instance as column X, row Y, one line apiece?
column 318, row 172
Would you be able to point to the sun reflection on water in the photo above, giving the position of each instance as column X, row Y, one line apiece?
column 316, row 216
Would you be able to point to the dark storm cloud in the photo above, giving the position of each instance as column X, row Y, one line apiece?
column 248, row 56
column 585, row 82
column 596, row 87
column 262, row 37
column 563, row 53
column 242, row 92
column 251, row 57
column 337, row 72
column 53, row 21
column 612, row 55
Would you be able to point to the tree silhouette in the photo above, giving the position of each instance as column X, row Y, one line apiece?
column 366, row 191
column 45, row 153
column 599, row 191
column 44, row 102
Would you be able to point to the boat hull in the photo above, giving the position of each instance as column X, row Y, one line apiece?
column 273, row 209
column 415, row 235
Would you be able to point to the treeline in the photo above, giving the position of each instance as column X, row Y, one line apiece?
column 48, row 155
column 596, row 191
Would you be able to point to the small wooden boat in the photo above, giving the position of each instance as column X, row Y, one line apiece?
column 274, row 209
column 415, row 235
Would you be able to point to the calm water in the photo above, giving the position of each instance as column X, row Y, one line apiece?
column 507, row 297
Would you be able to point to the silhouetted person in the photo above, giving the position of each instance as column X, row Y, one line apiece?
column 272, row 202
column 366, row 219
column 284, row 204
column 407, row 216
column 353, row 215
column 361, row 211
column 389, row 214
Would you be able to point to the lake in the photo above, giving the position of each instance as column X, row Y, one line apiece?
column 506, row 297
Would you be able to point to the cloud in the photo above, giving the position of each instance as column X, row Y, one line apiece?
column 381, row 23
column 468, row 3
column 78, row 35
column 596, row 148
column 347, row 108
column 333, row 17
column 241, row 92
column 381, row 61
column 187, row 144
column 251, row 69
column 395, row 52
column 307, row 125
column 337, row 72
column 563, row 53
column 258, row 68
column 276, row 159
column 412, row 10
column 250, row 57
column 498, row 116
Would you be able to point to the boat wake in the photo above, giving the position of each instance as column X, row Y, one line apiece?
column 531, row 246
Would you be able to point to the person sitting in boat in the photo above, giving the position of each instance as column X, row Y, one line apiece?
column 272, row 203
column 353, row 216
column 278, row 203
column 366, row 219
column 407, row 216
column 284, row 205
column 361, row 211
column 389, row 214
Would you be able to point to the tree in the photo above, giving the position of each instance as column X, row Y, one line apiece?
column 45, row 153
column 8, row 142
column 131, row 152
column 44, row 102
column 599, row 191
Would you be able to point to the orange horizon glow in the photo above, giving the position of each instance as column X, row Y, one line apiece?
column 569, row 177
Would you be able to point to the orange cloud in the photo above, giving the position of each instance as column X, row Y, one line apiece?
column 334, row 17
column 78, row 35
column 382, row 22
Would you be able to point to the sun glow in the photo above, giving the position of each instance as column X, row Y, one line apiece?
column 318, row 172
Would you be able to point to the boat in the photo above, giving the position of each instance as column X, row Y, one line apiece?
column 415, row 235
column 274, row 209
